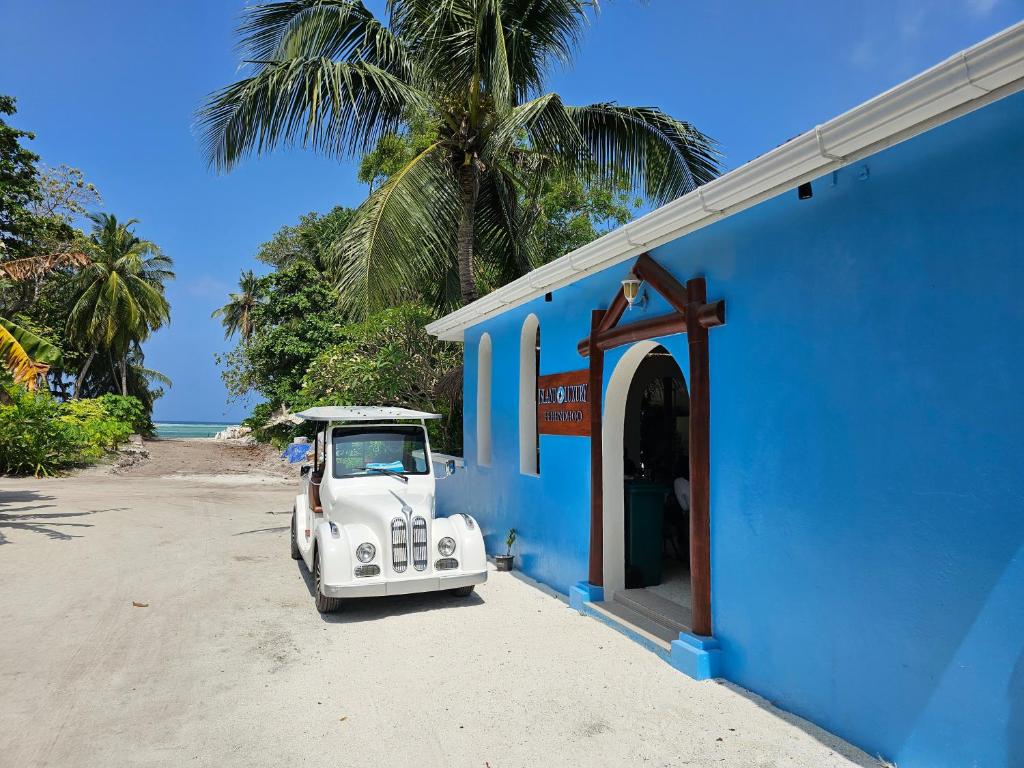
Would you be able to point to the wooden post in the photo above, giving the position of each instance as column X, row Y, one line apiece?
column 596, row 569
column 700, row 457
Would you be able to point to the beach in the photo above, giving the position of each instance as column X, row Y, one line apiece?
column 155, row 618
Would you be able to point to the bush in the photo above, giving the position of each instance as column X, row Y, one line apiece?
column 102, row 433
column 129, row 410
column 35, row 439
column 41, row 437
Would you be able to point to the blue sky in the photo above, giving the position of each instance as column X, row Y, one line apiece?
column 111, row 86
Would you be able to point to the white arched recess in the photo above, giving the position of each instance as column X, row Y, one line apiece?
column 612, row 436
column 483, row 401
column 528, row 459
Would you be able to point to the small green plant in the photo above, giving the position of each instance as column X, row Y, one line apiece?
column 510, row 540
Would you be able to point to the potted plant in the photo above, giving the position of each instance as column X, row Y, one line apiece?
column 504, row 562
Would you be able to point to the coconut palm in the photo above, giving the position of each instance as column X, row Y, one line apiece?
column 119, row 294
column 236, row 315
column 329, row 75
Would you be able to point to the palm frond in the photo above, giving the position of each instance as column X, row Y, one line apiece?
column 499, row 230
column 662, row 157
column 338, row 108
column 548, row 127
column 403, row 232
column 334, row 29
column 25, row 355
column 30, row 267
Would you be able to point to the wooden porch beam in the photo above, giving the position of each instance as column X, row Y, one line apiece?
column 708, row 316
column 650, row 271
column 700, row 459
column 595, row 384
column 662, row 325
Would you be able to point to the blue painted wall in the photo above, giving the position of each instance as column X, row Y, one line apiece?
column 867, row 452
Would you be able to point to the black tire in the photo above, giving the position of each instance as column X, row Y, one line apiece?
column 324, row 604
column 463, row 591
column 296, row 555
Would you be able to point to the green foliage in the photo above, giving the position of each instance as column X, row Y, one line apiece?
column 570, row 213
column 296, row 317
column 101, row 432
column 18, row 182
column 310, row 240
column 35, row 439
column 389, row 359
column 128, row 410
column 510, row 541
column 41, row 437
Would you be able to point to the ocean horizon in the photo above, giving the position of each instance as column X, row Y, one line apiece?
column 190, row 428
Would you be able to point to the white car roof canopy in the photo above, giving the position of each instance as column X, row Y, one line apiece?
column 362, row 413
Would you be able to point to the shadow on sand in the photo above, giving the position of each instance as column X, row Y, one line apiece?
column 373, row 608
column 25, row 516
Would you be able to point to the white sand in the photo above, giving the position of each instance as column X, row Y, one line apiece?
column 230, row 665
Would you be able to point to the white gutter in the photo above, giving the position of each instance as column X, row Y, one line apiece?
column 986, row 72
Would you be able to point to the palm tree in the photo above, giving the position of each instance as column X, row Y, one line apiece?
column 120, row 294
column 327, row 74
column 236, row 315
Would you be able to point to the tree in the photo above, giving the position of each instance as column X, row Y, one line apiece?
column 119, row 296
column 294, row 319
column 236, row 315
column 310, row 240
column 389, row 359
column 18, row 183
column 329, row 75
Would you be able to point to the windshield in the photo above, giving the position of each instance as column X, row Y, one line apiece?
column 383, row 450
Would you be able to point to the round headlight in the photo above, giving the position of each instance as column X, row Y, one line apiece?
column 446, row 546
column 365, row 552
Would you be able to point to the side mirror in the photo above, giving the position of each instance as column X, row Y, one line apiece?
column 304, row 469
column 449, row 468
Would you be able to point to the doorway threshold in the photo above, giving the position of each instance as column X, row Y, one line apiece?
column 694, row 655
column 662, row 611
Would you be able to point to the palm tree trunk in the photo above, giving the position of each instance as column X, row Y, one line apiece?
column 124, row 376
column 80, row 379
column 469, row 189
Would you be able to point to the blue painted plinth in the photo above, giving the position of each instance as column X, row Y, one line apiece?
column 584, row 592
column 697, row 656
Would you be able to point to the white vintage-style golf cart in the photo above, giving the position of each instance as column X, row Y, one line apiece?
column 364, row 521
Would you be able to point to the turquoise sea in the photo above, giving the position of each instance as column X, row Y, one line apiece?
column 189, row 429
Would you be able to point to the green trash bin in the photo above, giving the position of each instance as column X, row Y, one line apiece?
column 645, row 505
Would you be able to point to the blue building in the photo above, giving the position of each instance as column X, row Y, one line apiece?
column 826, row 346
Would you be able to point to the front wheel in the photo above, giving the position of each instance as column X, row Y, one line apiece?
column 296, row 555
column 324, row 604
column 463, row 591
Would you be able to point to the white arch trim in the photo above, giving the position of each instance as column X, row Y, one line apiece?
column 612, row 436
column 528, row 396
column 483, row 401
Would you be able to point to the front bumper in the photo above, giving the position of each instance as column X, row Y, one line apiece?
column 377, row 587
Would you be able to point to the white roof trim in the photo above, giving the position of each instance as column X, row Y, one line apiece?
column 362, row 413
column 986, row 72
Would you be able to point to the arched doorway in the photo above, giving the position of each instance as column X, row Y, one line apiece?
column 645, row 443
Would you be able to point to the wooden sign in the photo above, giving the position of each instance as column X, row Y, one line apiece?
column 563, row 403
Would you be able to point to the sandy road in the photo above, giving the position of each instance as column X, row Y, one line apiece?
column 230, row 665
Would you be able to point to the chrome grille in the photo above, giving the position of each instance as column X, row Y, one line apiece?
column 399, row 545
column 446, row 564
column 419, row 543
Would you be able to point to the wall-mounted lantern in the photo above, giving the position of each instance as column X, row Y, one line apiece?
column 631, row 291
